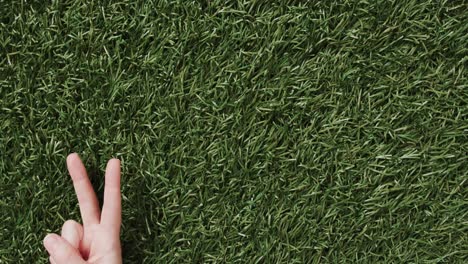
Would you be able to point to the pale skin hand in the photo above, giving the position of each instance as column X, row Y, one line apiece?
column 98, row 239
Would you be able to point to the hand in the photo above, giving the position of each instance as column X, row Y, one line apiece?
column 98, row 239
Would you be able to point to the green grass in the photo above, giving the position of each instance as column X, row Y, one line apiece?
column 255, row 133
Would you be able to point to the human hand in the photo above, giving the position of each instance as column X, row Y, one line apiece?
column 98, row 239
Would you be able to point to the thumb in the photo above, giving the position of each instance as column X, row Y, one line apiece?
column 61, row 251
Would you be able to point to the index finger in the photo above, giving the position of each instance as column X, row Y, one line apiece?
column 89, row 206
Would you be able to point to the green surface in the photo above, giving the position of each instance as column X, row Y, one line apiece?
column 248, row 132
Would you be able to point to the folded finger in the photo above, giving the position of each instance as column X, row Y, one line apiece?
column 61, row 251
column 72, row 232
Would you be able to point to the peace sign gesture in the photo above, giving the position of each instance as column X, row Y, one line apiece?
column 98, row 239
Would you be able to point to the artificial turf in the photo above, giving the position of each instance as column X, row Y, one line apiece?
column 249, row 131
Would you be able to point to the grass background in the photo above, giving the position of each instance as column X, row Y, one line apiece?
column 249, row 131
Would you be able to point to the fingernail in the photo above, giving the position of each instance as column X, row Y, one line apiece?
column 49, row 241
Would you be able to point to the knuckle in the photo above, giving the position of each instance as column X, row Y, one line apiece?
column 70, row 223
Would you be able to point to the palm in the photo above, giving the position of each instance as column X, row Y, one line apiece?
column 97, row 240
column 98, row 247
